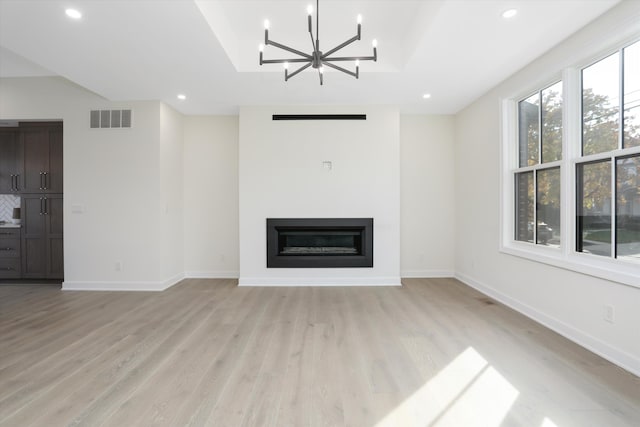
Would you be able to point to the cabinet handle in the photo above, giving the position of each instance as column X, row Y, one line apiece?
column 46, row 186
column 41, row 208
column 17, row 182
column 14, row 183
column 41, row 181
column 46, row 208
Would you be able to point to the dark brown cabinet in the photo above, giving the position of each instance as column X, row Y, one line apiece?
column 42, row 236
column 10, row 264
column 10, row 161
column 31, row 167
column 41, row 158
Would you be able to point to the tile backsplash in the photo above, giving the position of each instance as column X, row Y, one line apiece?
column 7, row 203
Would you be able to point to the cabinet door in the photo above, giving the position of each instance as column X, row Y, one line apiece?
column 55, row 252
column 35, row 152
column 9, row 162
column 53, row 179
column 34, row 237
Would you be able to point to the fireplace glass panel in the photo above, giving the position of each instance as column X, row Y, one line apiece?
column 320, row 242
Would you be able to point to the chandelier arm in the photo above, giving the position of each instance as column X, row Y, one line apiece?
column 337, row 48
column 282, row 61
column 350, row 58
column 288, row 49
column 304, row 67
column 313, row 43
column 335, row 67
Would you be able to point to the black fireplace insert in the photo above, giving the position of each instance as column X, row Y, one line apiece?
column 319, row 242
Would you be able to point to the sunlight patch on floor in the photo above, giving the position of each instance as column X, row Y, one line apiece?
column 468, row 391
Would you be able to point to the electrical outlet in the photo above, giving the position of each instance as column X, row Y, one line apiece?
column 118, row 265
column 609, row 313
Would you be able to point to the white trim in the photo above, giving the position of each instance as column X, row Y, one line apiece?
column 212, row 274
column 319, row 281
column 173, row 280
column 620, row 271
column 623, row 359
column 123, row 286
column 426, row 274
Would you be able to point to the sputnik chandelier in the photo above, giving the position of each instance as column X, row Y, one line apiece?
column 317, row 59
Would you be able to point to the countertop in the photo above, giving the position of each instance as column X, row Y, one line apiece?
column 9, row 225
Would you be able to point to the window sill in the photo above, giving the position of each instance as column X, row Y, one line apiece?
column 626, row 273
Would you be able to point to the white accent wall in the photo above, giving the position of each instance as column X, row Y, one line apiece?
column 171, row 194
column 282, row 175
column 211, row 196
column 568, row 302
column 427, row 196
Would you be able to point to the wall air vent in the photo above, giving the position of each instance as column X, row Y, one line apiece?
column 319, row 117
column 110, row 119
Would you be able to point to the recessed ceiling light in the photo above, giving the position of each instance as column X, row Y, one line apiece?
column 509, row 13
column 73, row 13
column 426, row 96
column 182, row 97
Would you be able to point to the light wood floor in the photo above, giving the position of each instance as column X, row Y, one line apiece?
column 207, row 352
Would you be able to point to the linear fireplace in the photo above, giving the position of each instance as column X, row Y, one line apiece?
column 319, row 242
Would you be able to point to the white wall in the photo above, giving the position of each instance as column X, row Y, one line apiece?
column 171, row 194
column 427, row 196
column 211, row 196
column 571, row 303
column 282, row 176
column 111, row 175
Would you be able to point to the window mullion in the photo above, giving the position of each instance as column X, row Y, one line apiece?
column 540, row 159
column 535, row 206
column 614, row 199
column 621, row 101
column 571, row 150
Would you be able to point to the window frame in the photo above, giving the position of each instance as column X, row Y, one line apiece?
column 566, row 256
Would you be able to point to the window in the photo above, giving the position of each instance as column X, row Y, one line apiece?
column 607, row 202
column 571, row 175
column 537, row 180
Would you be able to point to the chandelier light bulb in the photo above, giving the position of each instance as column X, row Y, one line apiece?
column 374, row 43
column 359, row 19
column 357, row 62
column 507, row 14
column 286, row 65
column 267, row 24
column 310, row 9
column 261, row 47
column 321, row 69
column 73, row 13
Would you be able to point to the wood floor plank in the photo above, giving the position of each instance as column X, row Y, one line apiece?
column 206, row 352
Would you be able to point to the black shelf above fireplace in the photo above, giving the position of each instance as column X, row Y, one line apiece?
column 319, row 242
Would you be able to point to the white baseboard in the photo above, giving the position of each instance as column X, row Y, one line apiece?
column 623, row 359
column 122, row 286
column 319, row 281
column 426, row 274
column 218, row 274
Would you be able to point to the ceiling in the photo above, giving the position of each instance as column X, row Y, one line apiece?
column 456, row 50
